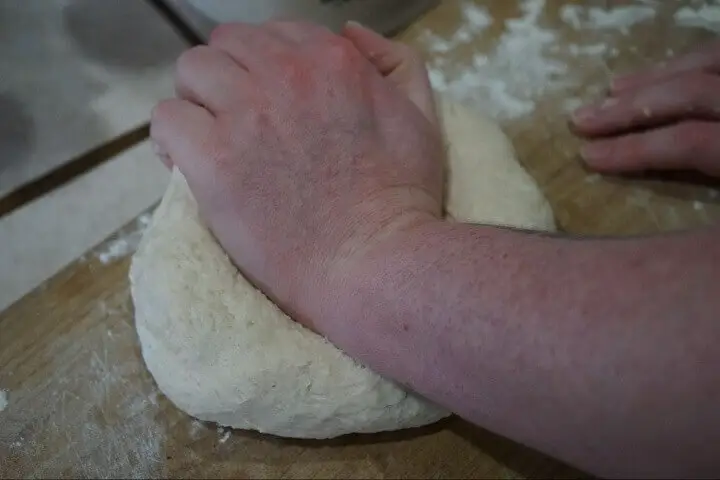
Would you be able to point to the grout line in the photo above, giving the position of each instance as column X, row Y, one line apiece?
column 36, row 188
column 181, row 27
column 74, row 168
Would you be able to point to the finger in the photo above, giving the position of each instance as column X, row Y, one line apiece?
column 296, row 32
column 162, row 154
column 182, row 131
column 706, row 59
column 688, row 145
column 398, row 63
column 253, row 47
column 693, row 95
column 211, row 78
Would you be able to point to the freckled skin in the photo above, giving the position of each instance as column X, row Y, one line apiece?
column 317, row 163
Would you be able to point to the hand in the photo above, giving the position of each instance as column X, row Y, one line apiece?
column 301, row 154
column 665, row 118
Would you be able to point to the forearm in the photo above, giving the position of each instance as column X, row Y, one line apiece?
column 601, row 352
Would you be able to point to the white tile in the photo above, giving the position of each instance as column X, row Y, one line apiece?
column 44, row 236
column 76, row 74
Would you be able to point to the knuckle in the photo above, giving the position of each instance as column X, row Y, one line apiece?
column 280, row 23
column 339, row 51
column 221, row 32
column 698, row 84
column 189, row 60
column 696, row 136
column 161, row 112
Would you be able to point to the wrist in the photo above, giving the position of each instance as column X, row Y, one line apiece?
column 356, row 284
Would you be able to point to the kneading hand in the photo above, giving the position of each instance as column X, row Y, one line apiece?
column 303, row 149
column 665, row 118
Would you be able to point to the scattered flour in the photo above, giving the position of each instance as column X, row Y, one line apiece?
column 225, row 436
column 594, row 49
column 529, row 62
column 698, row 206
column 571, row 104
column 196, row 429
column 126, row 244
column 507, row 81
column 97, row 415
column 3, row 400
column 593, row 178
column 706, row 17
column 476, row 19
column 618, row 18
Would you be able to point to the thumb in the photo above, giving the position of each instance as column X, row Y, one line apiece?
column 398, row 63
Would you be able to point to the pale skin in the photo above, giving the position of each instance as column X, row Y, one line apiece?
column 316, row 161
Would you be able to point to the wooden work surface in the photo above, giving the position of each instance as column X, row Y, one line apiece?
column 80, row 402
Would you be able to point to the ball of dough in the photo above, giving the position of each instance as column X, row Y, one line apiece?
column 222, row 352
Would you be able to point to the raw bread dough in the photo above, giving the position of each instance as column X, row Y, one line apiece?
column 221, row 351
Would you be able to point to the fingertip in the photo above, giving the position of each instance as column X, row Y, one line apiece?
column 591, row 152
column 599, row 156
column 178, row 130
column 620, row 83
column 352, row 24
column 368, row 42
column 222, row 31
column 161, row 154
column 582, row 116
column 160, row 114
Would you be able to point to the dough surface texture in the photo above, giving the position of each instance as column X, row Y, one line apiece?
column 222, row 352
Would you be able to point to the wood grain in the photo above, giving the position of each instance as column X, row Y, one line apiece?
column 81, row 403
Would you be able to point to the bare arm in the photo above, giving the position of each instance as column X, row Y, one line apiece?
column 316, row 162
column 600, row 352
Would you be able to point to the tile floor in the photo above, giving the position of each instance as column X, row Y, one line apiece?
column 42, row 237
column 83, row 72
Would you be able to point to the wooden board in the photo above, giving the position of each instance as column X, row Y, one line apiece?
column 80, row 402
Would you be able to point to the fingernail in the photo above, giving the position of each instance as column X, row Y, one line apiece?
column 353, row 23
column 618, row 81
column 591, row 152
column 158, row 150
column 585, row 113
column 621, row 82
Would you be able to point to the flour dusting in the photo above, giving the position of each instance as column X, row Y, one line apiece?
column 3, row 399
column 196, row 429
column 530, row 62
column 475, row 20
column 618, row 18
column 506, row 81
column 97, row 415
column 126, row 244
column 224, row 434
column 706, row 17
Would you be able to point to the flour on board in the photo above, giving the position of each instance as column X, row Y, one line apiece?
column 530, row 61
column 475, row 20
column 706, row 17
column 618, row 18
column 126, row 244
column 97, row 415
column 224, row 434
column 505, row 81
